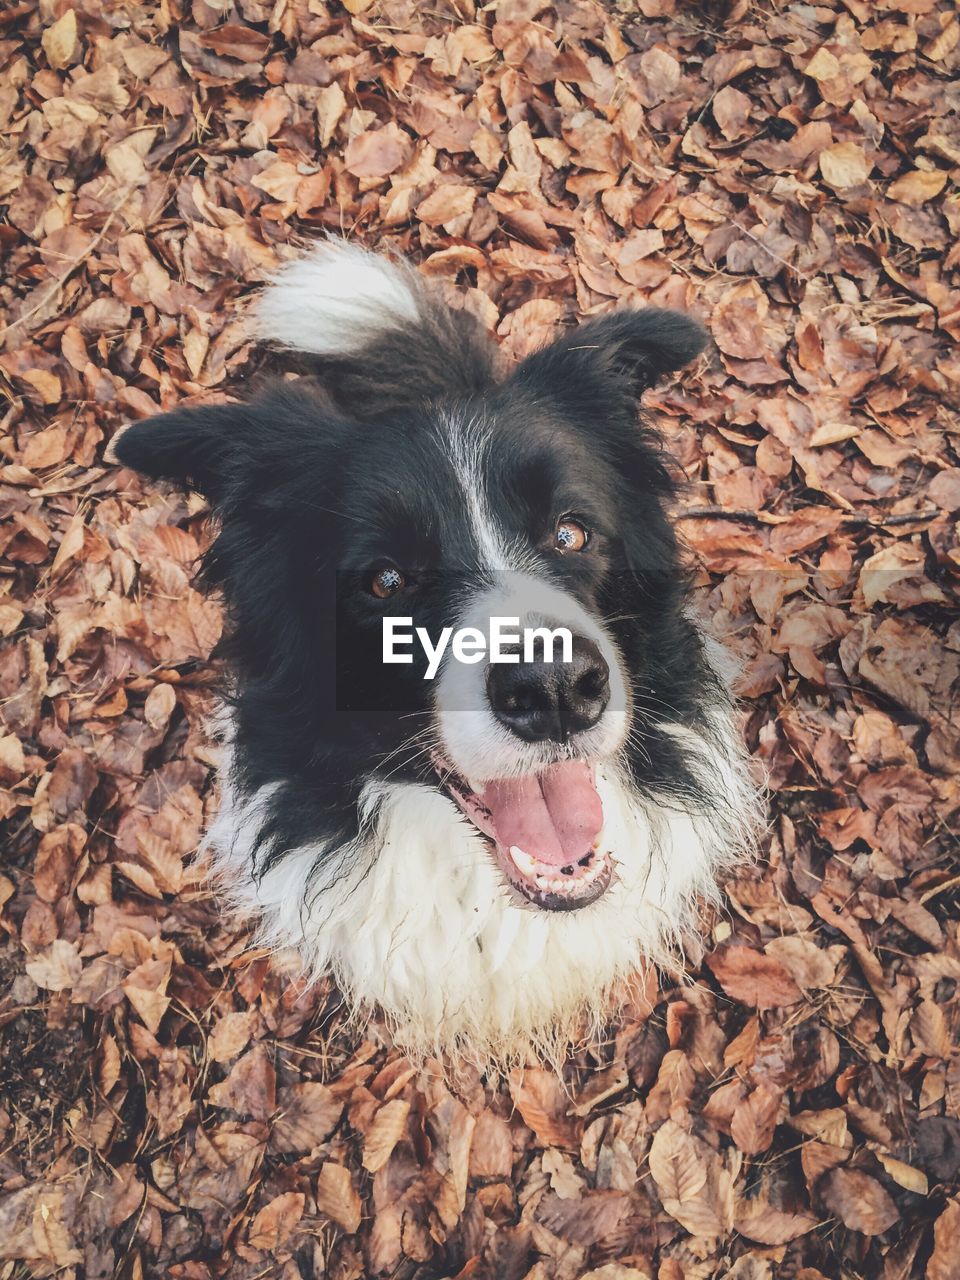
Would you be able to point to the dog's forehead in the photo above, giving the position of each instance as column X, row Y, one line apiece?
column 469, row 483
column 437, row 466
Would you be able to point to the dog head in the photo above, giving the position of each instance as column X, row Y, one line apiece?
column 407, row 484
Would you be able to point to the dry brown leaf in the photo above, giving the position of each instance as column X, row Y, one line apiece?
column 384, row 1134
column 491, row 1150
column 905, row 1175
column 307, row 1114
column 159, row 706
column 60, row 42
column 810, row 966
column 676, row 1163
column 759, row 981
column 331, row 104
column 858, row 1200
column 731, row 110
column 844, row 165
column 12, row 759
column 944, row 489
column 942, row 1262
column 276, row 1221
column 585, row 1221
column 250, row 1088
column 760, row 1221
column 917, row 187
column 231, row 1035
column 337, row 1198
column 57, row 967
column 540, row 1099
column 754, row 1120
column 378, row 153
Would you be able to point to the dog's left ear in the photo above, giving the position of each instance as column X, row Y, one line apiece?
column 626, row 350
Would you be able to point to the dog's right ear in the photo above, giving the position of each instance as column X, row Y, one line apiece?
column 197, row 448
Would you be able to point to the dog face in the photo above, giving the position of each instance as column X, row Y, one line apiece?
column 536, row 499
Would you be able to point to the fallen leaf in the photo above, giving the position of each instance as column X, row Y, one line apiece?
column 250, row 1088
column 307, row 1114
column 844, row 165
column 60, row 42
column 276, row 1221
column 384, row 1134
column 231, row 1035
column 57, row 967
column 941, row 1264
column 858, row 1200
column 917, row 187
column 759, row 981
column 540, row 1099
column 378, row 153
column 337, row 1198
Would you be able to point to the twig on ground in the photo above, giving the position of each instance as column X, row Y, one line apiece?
column 766, row 517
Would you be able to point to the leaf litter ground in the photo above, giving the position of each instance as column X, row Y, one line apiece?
column 173, row 1105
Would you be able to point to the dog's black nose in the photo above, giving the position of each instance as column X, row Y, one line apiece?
column 551, row 700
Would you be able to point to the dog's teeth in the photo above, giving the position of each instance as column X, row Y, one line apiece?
column 523, row 861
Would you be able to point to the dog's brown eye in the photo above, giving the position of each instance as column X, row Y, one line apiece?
column 387, row 582
column 570, row 535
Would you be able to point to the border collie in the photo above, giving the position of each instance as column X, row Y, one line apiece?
column 488, row 855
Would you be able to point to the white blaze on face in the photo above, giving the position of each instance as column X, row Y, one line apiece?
column 474, row 741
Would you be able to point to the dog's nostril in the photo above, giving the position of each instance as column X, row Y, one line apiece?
column 523, row 698
column 593, row 684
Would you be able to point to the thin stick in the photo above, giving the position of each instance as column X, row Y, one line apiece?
column 760, row 517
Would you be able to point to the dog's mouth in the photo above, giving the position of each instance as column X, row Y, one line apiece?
column 546, row 830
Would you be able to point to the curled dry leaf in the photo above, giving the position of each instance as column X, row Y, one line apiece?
column 543, row 1104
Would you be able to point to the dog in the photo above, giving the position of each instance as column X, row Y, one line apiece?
column 490, row 854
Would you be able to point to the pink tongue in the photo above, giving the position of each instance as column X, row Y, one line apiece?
column 554, row 816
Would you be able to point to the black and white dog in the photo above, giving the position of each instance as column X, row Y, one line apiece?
column 486, row 855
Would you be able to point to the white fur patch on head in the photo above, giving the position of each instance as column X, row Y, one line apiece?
column 466, row 441
column 335, row 299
